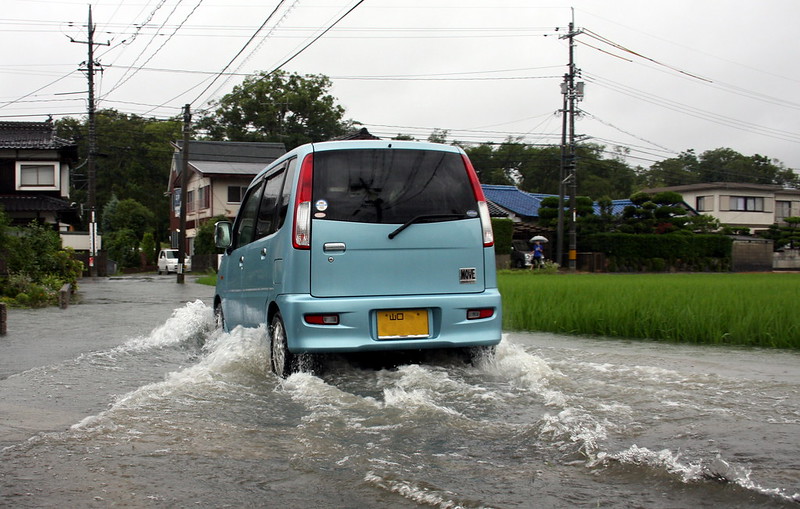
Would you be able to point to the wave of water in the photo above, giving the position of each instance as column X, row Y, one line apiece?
column 516, row 402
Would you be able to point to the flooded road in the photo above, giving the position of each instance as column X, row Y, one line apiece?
column 131, row 399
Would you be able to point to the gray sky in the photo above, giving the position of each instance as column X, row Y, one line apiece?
column 661, row 77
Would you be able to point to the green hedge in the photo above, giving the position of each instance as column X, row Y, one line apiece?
column 503, row 232
column 651, row 252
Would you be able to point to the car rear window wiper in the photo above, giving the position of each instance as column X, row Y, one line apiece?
column 424, row 217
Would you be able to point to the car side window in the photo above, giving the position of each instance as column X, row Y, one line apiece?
column 269, row 203
column 283, row 207
column 244, row 228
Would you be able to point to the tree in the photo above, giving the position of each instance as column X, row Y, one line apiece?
column 204, row 241
column 277, row 107
column 718, row 165
column 128, row 215
column 538, row 169
column 133, row 160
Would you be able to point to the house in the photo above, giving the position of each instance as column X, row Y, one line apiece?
column 754, row 206
column 35, row 167
column 219, row 173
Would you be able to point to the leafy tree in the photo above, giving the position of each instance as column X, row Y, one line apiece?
column 109, row 212
column 672, row 172
column 132, row 215
column 718, row 165
column 438, row 136
column 123, row 247
column 785, row 236
column 277, row 107
column 133, row 159
column 149, row 248
column 538, row 169
column 204, row 241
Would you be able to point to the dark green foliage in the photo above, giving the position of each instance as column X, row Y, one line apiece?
column 718, row 165
column 786, row 235
column 131, row 215
column 682, row 251
column 36, row 264
column 123, row 247
column 133, row 160
column 149, row 248
column 503, row 231
column 204, row 242
column 277, row 107
column 538, row 169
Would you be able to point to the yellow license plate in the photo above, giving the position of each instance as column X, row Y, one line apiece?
column 403, row 324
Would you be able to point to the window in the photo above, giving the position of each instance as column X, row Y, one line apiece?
column 783, row 209
column 704, row 203
column 190, row 201
column 747, row 203
column 244, row 228
column 38, row 175
column 235, row 193
column 391, row 186
column 204, row 198
column 269, row 203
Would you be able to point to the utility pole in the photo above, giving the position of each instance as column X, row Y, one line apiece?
column 187, row 124
column 90, row 161
column 572, row 93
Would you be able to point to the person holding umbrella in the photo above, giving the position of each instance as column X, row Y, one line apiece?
column 538, row 251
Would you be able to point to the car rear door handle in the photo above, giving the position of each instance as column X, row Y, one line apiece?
column 334, row 247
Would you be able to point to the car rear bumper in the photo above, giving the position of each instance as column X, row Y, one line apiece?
column 357, row 329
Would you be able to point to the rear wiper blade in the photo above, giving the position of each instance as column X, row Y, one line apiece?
column 423, row 218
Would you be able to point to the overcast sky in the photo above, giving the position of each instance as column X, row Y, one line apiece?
column 661, row 77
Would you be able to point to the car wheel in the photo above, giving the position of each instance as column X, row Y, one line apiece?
column 159, row 272
column 476, row 354
column 282, row 360
column 219, row 317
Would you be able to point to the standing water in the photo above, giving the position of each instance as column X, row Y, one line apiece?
column 182, row 415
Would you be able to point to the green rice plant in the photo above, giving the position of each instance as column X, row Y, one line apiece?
column 724, row 309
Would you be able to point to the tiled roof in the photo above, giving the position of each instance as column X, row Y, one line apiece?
column 31, row 135
column 32, row 203
column 514, row 200
column 527, row 204
column 232, row 151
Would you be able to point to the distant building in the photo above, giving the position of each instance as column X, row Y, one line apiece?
column 754, row 206
column 35, row 167
column 219, row 173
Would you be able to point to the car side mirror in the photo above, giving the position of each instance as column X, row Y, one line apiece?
column 222, row 234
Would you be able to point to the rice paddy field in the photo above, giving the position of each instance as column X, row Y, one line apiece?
column 761, row 309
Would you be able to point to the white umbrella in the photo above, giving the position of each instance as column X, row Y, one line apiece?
column 539, row 238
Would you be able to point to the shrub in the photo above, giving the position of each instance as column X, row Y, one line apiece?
column 503, row 231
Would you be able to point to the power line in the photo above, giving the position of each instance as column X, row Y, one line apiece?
column 241, row 50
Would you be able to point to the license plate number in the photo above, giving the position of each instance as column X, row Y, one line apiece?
column 403, row 324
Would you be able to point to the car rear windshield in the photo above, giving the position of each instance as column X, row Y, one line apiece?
column 391, row 185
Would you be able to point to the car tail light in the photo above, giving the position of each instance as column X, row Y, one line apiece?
column 301, row 228
column 478, row 314
column 483, row 207
column 330, row 319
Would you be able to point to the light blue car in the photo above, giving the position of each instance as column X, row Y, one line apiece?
column 354, row 246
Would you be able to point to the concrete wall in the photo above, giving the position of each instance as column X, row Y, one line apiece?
column 786, row 260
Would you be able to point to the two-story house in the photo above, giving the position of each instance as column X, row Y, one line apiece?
column 219, row 173
column 754, row 206
column 35, row 174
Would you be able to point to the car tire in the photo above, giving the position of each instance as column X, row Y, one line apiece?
column 282, row 360
column 158, row 272
column 477, row 354
column 219, row 317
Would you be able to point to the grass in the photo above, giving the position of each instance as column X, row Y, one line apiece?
column 726, row 309
column 209, row 278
